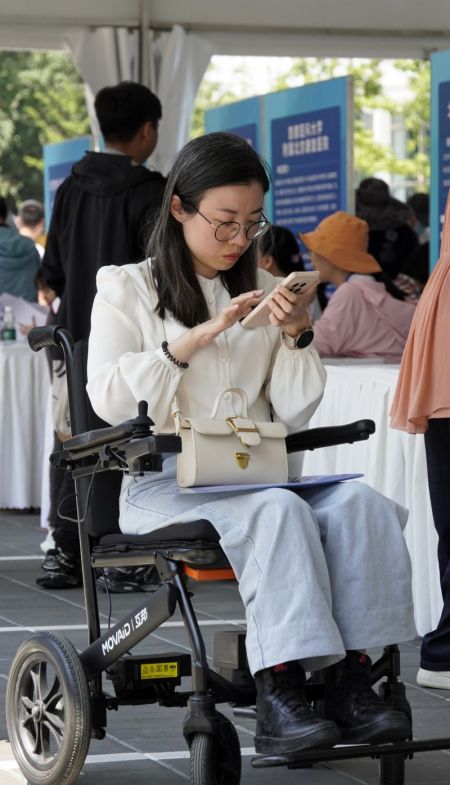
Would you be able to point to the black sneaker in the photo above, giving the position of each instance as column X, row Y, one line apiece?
column 123, row 580
column 357, row 710
column 60, row 570
column 285, row 721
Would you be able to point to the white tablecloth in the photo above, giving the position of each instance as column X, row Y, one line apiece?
column 392, row 461
column 24, row 388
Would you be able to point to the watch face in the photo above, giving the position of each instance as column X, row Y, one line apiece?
column 305, row 339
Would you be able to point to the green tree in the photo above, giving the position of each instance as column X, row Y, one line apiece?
column 416, row 118
column 369, row 155
column 214, row 92
column 41, row 101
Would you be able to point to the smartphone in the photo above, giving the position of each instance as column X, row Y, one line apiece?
column 296, row 282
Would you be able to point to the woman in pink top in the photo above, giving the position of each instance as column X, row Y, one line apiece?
column 361, row 319
column 422, row 405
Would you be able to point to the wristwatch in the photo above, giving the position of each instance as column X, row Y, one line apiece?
column 301, row 341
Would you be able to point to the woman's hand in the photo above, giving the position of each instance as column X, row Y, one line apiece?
column 203, row 334
column 289, row 310
column 238, row 308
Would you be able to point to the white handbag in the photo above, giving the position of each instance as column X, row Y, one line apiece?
column 231, row 451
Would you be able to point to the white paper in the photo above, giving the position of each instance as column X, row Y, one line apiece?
column 25, row 313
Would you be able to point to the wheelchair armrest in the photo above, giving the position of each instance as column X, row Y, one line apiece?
column 116, row 447
column 328, row 437
column 91, row 440
column 51, row 335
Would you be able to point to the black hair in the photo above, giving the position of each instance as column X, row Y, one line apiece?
column 389, row 285
column 3, row 209
column 210, row 161
column 420, row 205
column 121, row 110
column 31, row 212
column 280, row 243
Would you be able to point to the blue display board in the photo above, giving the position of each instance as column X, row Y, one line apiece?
column 440, row 147
column 306, row 135
column 242, row 118
column 58, row 161
column 309, row 144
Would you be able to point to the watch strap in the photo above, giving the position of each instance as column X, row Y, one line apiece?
column 300, row 341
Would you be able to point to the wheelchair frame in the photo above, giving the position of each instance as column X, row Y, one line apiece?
column 211, row 737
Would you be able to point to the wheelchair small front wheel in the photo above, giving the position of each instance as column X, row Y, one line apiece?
column 216, row 760
column 392, row 769
column 48, row 710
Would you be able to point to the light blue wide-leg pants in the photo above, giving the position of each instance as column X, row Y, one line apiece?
column 318, row 574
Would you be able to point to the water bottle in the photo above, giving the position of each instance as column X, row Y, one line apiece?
column 8, row 326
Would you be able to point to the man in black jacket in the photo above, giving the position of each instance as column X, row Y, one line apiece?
column 103, row 213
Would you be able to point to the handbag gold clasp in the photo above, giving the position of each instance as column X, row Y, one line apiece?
column 242, row 459
column 238, row 431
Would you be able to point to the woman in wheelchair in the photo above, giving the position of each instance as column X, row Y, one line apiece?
column 324, row 573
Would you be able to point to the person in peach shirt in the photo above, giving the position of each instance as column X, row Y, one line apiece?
column 422, row 405
column 363, row 318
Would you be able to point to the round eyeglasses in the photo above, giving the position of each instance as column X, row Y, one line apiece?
column 227, row 230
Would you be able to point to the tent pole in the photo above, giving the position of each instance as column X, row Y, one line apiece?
column 144, row 43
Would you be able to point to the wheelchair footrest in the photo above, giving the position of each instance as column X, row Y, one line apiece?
column 147, row 679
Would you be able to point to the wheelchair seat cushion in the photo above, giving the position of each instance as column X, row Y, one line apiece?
column 196, row 542
column 196, row 531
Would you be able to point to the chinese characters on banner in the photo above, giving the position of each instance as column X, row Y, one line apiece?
column 306, row 168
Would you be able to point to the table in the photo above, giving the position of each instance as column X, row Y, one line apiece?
column 24, row 390
column 392, row 461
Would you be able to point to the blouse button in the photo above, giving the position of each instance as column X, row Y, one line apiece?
column 224, row 359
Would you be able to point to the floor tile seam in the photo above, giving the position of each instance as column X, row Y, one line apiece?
column 49, row 594
column 136, row 749
column 16, row 627
column 431, row 693
column 329, row 767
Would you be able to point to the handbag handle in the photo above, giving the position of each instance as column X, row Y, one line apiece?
column 178, row 417
column 237, row 391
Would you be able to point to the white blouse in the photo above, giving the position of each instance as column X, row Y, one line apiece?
column 126, row 363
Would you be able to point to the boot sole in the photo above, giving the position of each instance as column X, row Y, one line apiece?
column 59, row 582
column 326, row 736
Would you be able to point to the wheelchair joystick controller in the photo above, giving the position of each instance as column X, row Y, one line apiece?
column 142, row 423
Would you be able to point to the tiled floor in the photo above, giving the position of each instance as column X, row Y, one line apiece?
column 145, row 744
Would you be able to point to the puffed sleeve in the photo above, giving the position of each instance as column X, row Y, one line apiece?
column 295, row 384
column 120, row 373
column 295, row 380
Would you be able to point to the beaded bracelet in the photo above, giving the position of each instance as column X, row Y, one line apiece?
column 165, row 348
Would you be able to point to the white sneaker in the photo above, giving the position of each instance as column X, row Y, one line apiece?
column 48, row 543
column 438, row 680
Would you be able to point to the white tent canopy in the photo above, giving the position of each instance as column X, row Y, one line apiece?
column 167, row 44
column 369, row 28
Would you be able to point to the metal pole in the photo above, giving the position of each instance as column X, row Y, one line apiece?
column 144, row 50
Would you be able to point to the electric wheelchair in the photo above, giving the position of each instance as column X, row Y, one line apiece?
column 56, row 699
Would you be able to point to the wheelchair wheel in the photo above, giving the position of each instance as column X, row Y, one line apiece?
column 392, row 769
column 216, row 760
column 48, row 710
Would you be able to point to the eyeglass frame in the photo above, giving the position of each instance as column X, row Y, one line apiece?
column 225, row 223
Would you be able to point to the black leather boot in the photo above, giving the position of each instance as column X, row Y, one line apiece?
column 358, row 711
column 286, row 722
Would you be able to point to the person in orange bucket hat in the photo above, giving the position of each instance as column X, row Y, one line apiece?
column 366, row 315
